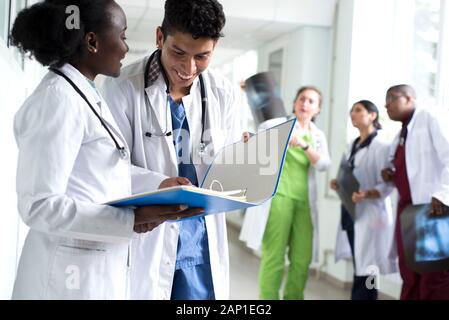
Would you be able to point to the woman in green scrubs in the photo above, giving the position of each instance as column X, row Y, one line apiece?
column 290, row 227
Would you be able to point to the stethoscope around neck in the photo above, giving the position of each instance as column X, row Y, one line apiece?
column 122, row 150
column 204, row 101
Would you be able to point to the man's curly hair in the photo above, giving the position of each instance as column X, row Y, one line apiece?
column 200, row 18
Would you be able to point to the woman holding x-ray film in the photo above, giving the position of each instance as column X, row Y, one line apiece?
column 292, row 216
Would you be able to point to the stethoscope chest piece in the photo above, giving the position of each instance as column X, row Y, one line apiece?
column 202, row 149
column 123, row 153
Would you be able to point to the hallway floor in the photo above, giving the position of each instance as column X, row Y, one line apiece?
column 244, row 271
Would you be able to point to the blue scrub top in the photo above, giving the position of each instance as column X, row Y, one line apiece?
column 193, row 277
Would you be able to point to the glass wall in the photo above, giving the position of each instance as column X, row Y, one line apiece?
column 237, row 71
column 275, row 61
column 426, row 48
column 8, row 12
column 431, row 52
column 4, row 20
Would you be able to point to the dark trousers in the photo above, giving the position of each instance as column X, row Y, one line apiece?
column 360, row 290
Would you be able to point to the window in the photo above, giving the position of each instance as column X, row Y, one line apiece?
column 237, row 70
column 443, row 57
column 275, row 65
column 425, row 43
column 16, row 7
column 4, row 20
column 400, row 42
column 8, row 12
column 431, row 52
column 427, row 37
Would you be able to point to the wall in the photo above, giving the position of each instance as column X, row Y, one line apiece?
column 16, row 84
column 10, row 81
column 306, row 61
column 335, row 128
column 365, row 63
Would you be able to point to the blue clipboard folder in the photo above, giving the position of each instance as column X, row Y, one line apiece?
column 257, row 175
column 191, row 196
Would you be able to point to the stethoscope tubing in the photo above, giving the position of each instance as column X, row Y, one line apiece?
column 121, row 150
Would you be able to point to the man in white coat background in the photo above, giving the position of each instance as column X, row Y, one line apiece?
column 175, row 114
column 420, row 156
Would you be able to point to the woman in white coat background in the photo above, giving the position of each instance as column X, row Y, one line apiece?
column 72, row 158
column 187, row 259
column 368, row 237
column 295, row 229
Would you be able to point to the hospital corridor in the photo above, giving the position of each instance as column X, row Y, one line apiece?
column 224, row 150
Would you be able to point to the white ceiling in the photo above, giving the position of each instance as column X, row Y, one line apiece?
column 249, row 23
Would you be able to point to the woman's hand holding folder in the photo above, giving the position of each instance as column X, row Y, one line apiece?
column 149, row 217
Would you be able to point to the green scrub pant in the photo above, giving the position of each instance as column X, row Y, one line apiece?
column 289, row 226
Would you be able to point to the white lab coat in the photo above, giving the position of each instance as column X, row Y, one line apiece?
column 256, row 218
column 153, row 255
column 68, row 165
column 375, row 221
column 427, row 155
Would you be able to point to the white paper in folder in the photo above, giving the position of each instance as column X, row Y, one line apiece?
column 254, row 166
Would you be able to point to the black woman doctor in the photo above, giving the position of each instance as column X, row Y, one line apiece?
column 72, row 157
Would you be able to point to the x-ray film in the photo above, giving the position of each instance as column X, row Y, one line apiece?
column 425, row 239
column 347, row 185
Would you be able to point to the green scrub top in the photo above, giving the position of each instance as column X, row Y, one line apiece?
column 294, row 183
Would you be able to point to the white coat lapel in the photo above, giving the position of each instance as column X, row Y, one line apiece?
column 316, row 139
column 160, row 115
column 192, row 106
column 359, row 160
column 110, row 122
column 215, row 135
column 95, row 100
column 82, row 83
column 410, row 126
column 360, row 156
column 159, row 109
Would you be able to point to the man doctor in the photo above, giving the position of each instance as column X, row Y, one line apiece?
column 420, row 156
column 175, row 113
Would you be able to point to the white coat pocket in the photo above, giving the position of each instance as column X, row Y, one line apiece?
column 77, row 273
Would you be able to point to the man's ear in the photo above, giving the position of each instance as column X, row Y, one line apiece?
column 159, row 38
column 91, row 40
column 409, row 99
